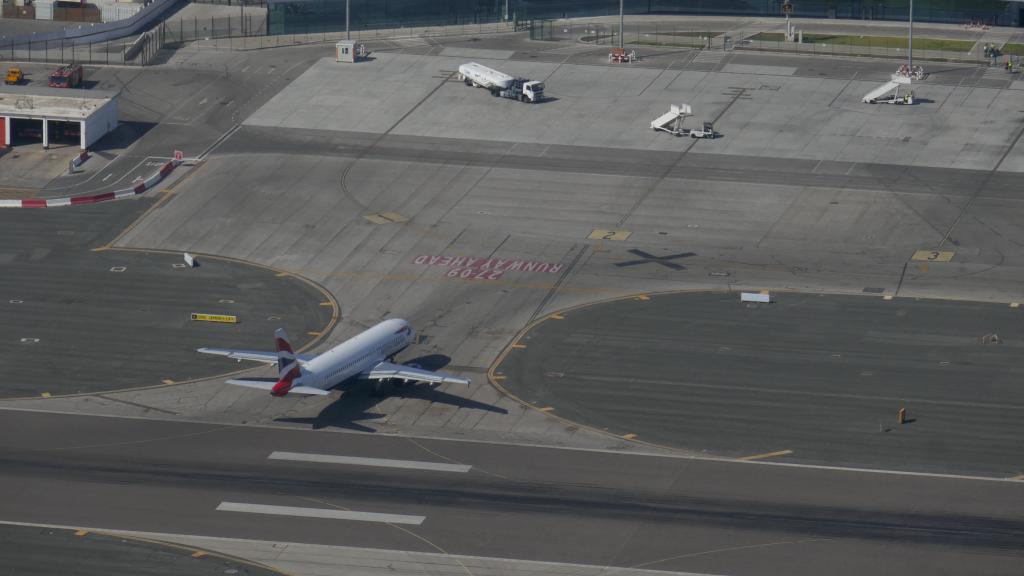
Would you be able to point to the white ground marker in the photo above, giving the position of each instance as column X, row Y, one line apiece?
column 328, row 513
column 360, row 461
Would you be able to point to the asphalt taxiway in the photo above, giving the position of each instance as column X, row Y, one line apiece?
column 807, row 378
column 82, row 318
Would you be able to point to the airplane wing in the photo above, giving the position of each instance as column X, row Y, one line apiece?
column 386, row 370
column 269, row 385
column 256, row 355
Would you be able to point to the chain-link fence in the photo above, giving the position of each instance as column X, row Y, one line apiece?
column 62, row 51
column 683, row 35
column 177, row 32
column 250, row 33
column 607, row 34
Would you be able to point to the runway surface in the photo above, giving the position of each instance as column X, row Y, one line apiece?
column 77, row 320
column 807, row 378
column 513, row 501
column 41, row 551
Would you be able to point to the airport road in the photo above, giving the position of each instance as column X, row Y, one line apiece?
column 41, row 551
column 497, row 500
column 818, row 378
column 950, row 182
column 79, row 320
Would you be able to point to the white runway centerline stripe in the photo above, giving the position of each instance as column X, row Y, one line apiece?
column 328, row 513
column 360, row 461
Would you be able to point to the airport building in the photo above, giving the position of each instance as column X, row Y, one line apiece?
column 46, row 115
column 297, row 16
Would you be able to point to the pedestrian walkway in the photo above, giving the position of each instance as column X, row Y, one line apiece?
column 709, row 57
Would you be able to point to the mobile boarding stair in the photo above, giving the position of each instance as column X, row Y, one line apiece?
column 672, row 122
column 889, row 93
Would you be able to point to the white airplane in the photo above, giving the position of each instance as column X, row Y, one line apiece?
column 366, row 355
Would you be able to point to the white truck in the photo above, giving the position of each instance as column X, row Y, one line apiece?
column 501, row 84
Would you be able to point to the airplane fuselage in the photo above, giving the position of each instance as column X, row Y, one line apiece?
column 358, row 354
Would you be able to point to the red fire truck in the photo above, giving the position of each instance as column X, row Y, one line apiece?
column 67, row 76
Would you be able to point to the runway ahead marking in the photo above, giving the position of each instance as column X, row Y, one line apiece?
column 326, row 513
column 379, row 462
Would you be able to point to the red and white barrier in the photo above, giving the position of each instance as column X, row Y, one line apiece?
column 139, row 188
column 80, row 159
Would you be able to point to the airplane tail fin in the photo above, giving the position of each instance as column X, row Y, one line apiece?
column 287, row 366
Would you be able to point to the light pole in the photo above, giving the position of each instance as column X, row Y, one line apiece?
column 910, row 41
column 348, row 34
column 621, row 26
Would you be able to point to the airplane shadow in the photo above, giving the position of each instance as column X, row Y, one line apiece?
column 358, row 397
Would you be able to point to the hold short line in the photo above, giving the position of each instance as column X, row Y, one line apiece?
column 326, row 513
column 766, row 455
column 361, row 461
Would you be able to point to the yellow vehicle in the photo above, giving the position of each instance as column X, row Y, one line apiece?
column 14, row 75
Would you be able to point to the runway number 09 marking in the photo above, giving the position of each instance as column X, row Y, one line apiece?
column 932, row 256
column 618, row 235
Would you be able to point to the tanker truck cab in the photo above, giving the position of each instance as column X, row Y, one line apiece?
column 533, row 91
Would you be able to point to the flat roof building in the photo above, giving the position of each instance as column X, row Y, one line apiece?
column 30, row 113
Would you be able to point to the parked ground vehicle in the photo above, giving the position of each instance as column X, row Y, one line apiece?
column 501, row 84
column 67, row 76
column 14, row 76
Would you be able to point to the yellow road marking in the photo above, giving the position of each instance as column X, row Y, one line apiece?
column 81, row 533
column 17, row 193
column 933, row 255
column 102, row 248
column 642, row 298
column 519, row 346
column 618, row 235
column 386, row 218
column 167, row 381
column 160, row 201
column 198, row 554
column 315, row 333
column 45, row 394
column 629, row 436
column 546, row 409
column 327, row 303
column 499, row 377
column 766, row 455
column 282, row 274
column 557, row 317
